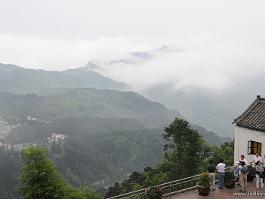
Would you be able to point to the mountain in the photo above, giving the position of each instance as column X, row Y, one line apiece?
column 132, row 59
column 85, row 102
column 15, row 79
column 78, row 112
column 108, row 133
column 103, row 135
column 213, row 110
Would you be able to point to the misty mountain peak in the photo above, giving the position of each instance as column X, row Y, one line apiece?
column 92, row 65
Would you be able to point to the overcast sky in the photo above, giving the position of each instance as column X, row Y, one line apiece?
column 219, row 40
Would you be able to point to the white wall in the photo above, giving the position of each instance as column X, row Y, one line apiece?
column 242, row 136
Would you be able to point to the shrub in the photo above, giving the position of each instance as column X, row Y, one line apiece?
column 204, row 181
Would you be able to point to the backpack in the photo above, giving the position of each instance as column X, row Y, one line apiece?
column 243, row 169
column 259, row 167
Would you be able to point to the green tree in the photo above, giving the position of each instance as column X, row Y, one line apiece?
column 40, row 180
column 136, row 177
column 154, row 178
column 184, row 150
column 225, row 152
column 114, row 190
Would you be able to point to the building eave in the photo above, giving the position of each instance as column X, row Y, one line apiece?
column 250, row 128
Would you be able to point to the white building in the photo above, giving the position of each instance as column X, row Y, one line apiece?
column 250, row 131
column 55, row 137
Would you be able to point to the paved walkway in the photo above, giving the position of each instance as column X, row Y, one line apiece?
column 223, row 194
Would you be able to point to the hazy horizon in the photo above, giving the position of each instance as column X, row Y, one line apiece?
column 214, row 43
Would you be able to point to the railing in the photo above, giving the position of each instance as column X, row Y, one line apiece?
column 168, row 188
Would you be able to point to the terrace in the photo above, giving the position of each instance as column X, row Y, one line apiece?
column 186, row 188
column 223, row 194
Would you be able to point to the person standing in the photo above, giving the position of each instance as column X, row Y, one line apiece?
column 243, row 172
column 236, row 172
column 221, row 174
column 257, row 158
column 263, row 160
column 242, row 158
column 238, row 167
column 211, row 170
column 259, row 174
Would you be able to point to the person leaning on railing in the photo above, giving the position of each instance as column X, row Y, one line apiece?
column 221, row 173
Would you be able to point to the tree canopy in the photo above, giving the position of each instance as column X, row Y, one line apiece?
column 185, row 154
column 40, row 179
column 183, row 150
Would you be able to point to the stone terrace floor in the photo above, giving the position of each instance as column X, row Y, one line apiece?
column 222, row 194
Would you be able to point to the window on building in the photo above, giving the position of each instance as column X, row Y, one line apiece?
column 254, row 147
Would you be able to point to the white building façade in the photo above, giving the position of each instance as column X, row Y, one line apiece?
column 250, row 131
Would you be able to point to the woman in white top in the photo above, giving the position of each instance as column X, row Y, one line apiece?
column 257, row 158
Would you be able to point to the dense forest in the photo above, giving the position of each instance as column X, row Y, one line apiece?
column 100, row 159
column 97, row 160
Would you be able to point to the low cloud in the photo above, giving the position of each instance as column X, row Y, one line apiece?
column 210, row 61
column 206, row 60
column 60, row 54
column 213, row 44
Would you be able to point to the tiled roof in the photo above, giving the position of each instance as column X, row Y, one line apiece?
column 254, row 117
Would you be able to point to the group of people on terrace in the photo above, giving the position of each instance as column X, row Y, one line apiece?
column 241, row 171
